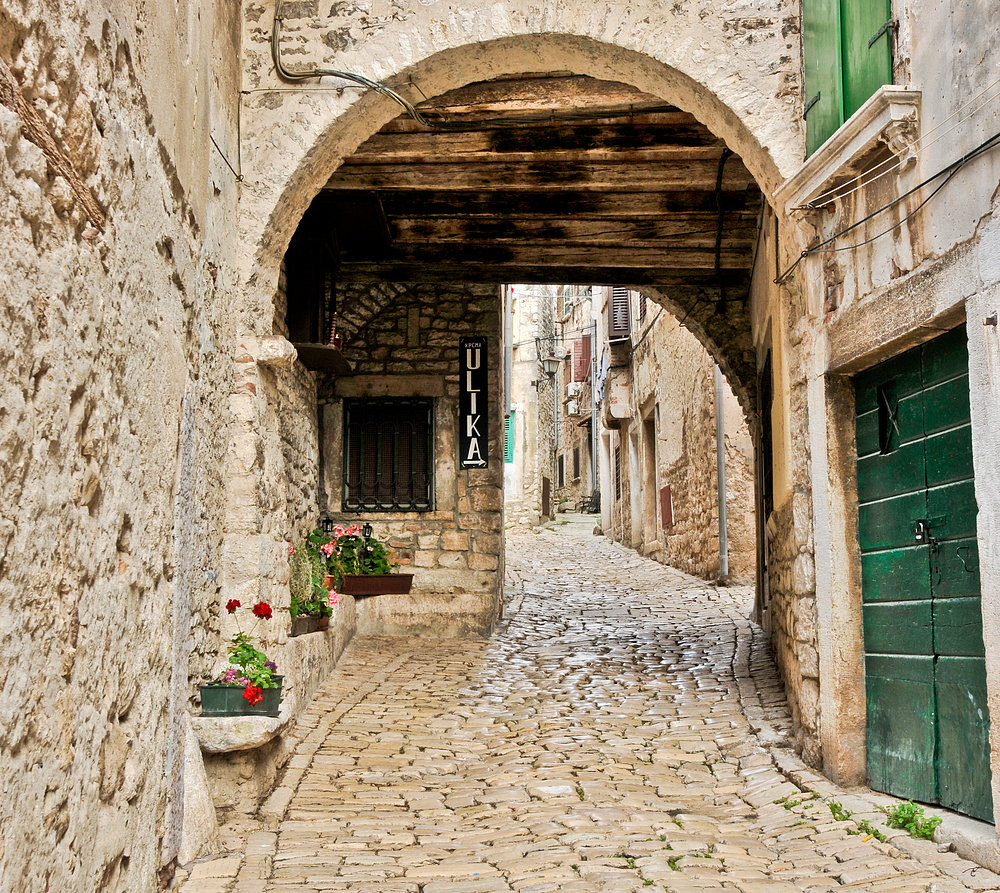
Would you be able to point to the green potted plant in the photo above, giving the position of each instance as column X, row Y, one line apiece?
column 357, row 563
column 308, row 594
column 251, row 685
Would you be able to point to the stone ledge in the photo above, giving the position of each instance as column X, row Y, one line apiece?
column 890, row 118
column 225, row 734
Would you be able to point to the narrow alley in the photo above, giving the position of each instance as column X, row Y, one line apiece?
column 623, row 730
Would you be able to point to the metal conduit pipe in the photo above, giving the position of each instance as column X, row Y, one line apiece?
column 720, row 461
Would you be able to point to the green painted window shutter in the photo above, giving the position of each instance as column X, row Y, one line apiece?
column 847, row 49
column 823, row 99
column 508, row 438
column 866, row 50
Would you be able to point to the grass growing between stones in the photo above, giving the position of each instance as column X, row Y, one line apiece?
column 909, row 817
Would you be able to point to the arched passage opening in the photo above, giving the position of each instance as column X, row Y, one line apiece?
column 398, row 264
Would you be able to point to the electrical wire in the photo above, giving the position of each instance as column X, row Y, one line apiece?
column 437, row 120
column 947, row 172
column 864, row 179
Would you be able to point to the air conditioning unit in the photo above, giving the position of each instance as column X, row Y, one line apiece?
column 573, row 407
column 573, row 389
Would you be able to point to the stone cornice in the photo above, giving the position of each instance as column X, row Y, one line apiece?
column 890, row 119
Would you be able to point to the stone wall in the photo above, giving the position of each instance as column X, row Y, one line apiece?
column 410, row 348
column 531, row 402
column 672, row 388
column 116, row 231
column 574, row 323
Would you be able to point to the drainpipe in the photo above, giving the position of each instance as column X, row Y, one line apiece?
column 593, row 403
column 720, row 461
column 508, row 346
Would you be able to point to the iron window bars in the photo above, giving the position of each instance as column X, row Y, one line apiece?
column 388, row 455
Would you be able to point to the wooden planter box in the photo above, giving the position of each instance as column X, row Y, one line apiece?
column 376, row 584
column 305, row 623
column 220, row 699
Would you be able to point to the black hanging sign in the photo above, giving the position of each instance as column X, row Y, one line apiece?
column 473, row 404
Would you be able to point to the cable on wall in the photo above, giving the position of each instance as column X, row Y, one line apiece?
column 947, row 172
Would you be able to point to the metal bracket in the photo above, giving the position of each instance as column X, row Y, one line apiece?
column 811, row 103
column 888, row 26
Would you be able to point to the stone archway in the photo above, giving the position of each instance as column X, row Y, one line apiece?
column 294, row 139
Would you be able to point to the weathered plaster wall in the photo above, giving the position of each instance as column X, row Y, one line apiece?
column 112, row 430
column 455, row 551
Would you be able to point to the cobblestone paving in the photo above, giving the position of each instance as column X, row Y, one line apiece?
column 621, row 732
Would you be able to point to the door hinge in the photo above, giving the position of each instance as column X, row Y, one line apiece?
column 811, row 103
column 891, row 25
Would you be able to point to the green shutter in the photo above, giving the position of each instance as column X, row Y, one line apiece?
column 508, row 438
column 867, row 59
column 824, row 104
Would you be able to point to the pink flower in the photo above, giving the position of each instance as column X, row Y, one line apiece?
column 332, row 598
column 291, row 549
column 338, row 531
column 353, row 530
column 328, row 548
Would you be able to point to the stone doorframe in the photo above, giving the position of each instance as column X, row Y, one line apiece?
column 849, row 346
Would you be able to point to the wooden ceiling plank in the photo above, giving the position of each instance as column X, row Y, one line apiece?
column 576, row 229
column 384, row 147
column 541, row 177
column 602, row 274
column 565, row 204
column 538, row 254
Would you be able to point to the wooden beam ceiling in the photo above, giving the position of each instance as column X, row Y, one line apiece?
column 552, row 178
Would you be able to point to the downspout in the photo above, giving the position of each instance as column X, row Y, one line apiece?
column 508, row 346
column 720, row 461
column 593, row 403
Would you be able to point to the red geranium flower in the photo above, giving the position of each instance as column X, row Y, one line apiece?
column 232, row 605
column 253, row 694
column 262, row 610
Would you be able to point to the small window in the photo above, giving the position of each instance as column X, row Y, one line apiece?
column 576, row 463
column 388, row 455
column 619, row 314
column 561, row 477
column 642, row 308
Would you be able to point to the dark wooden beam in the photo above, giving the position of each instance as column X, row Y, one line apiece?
column 565, row 142
column 543, row 177
column 565, row 204
column 597, row 274
column 688, row 230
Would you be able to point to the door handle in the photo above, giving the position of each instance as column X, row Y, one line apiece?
column 922, row 531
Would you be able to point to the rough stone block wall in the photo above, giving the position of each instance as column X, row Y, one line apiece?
column 455, row 551
column 113, row 430
column 672, row 379
column 792, row 615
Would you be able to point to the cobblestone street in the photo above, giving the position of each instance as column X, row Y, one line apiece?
column 622, row 731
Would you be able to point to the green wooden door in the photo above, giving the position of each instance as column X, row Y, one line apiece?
column 928, row 723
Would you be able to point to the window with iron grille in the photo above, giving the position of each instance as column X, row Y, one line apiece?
column 642, row 308
column 561, row 471
column 388, row 455
column 576, row 463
